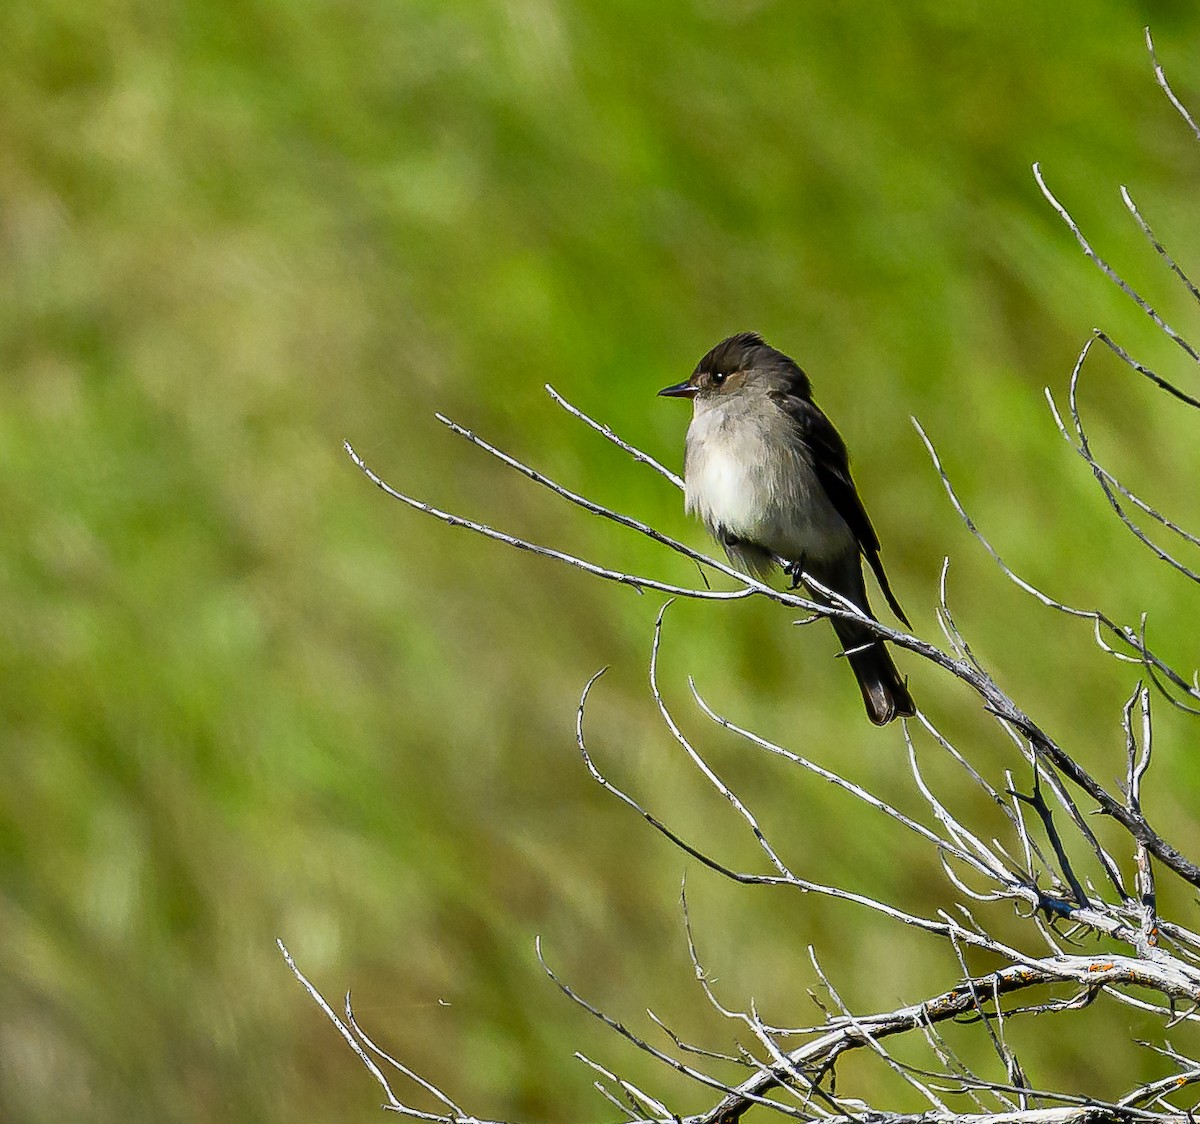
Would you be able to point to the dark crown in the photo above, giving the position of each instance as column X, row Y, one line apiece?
column 749, row 350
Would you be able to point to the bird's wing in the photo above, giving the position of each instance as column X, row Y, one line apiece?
column 831, row 463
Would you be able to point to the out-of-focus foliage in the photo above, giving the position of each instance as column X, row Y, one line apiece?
column 244, row 696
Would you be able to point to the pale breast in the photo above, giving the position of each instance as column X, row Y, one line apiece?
column 747, row 475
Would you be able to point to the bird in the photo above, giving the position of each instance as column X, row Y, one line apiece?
column 769, row 476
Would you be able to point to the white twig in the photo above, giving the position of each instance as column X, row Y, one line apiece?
column 1161, row 78
column 601, row 428
column 1111, row 273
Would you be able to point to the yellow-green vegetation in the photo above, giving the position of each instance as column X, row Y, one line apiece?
column 243, row 695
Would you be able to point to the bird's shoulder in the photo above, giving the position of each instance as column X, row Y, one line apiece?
column 816, row 430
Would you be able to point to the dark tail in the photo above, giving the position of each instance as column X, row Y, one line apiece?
column 883, row 691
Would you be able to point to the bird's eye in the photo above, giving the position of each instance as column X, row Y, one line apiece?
column 718, row 378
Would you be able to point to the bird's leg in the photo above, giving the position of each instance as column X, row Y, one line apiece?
column 795, row 571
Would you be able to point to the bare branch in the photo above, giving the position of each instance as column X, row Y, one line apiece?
column 1137, row 766
column 696, row 1075
column 701, row 764
column 641, row 584
column 604, row 430
column 1144, row 371
column 1158, row 246
column 1110, row 485
column 348, row 1030
column 1104, row 476
column 1041, row 743
column 1111, row 273
column 1161, row 78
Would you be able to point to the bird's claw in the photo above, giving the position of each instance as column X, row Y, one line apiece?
column 795, row 571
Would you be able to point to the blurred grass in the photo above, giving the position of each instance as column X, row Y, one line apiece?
column 246, row 697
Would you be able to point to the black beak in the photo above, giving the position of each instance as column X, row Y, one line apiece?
column 679, row 390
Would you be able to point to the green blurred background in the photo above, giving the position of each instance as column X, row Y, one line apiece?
column 245, row 696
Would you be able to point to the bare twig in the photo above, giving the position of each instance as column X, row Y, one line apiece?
column 1159, row 248
column 1161, row 78
column 604, row 430
column 1111, row 273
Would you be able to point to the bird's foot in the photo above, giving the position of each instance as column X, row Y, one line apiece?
column 795, row 571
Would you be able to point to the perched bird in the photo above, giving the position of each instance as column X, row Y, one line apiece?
column 770, row 477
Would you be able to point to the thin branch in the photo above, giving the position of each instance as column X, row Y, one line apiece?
column 1036, row 801
column 343, row 1030
column 1108, row 270
column 1042, row 744
column 1161, row 78
column 699, row 1076
column 1110, row 485
column 636, row 1096
column 838, row 781
column 604, row 430
column 578, row 500
column 870, row 1040
column 1105, row 476
column 1159, row 248
column 1137, row 766
column 348, row 1030
column 1144, row 371
column 641, row 584
column 929, row 925
column 705, row 770
column 456, row 1112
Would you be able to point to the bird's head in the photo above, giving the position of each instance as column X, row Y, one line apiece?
column 736, row 363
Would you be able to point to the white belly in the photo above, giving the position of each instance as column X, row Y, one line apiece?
column 748, row 480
